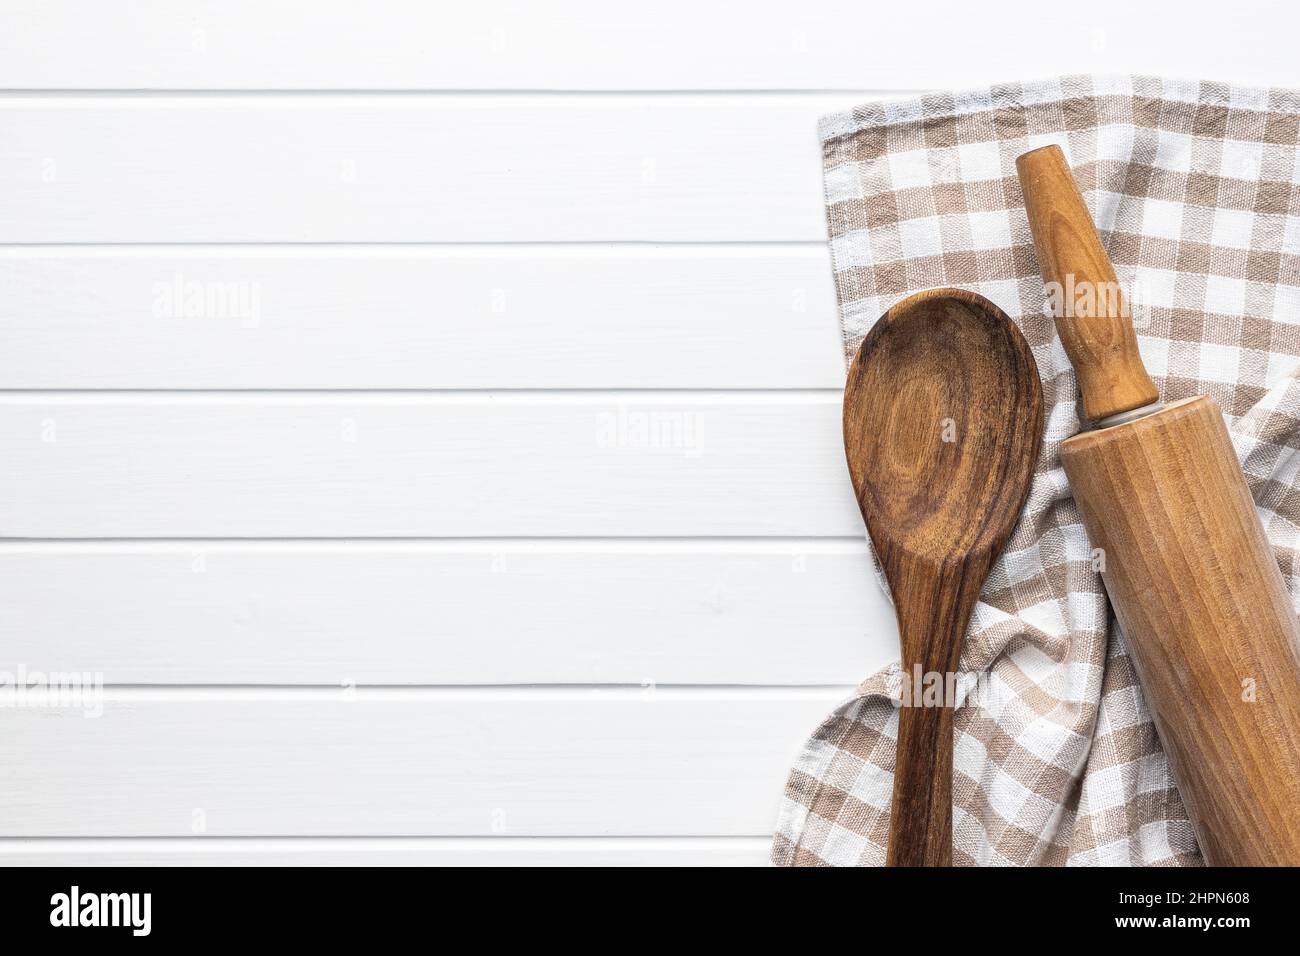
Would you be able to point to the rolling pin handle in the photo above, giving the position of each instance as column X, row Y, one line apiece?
column 1083, row 295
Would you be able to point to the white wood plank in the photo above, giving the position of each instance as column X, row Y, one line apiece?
column 589, row 44
column 338, row 168
column 312, row 464
column 419, row 317
column 637, row 612
column 402, row 851
column 583, row 762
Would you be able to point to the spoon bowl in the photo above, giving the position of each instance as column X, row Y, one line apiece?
column 943, row 421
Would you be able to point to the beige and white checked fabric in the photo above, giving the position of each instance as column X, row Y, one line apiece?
column 1196, row 190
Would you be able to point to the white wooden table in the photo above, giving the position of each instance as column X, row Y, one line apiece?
column 425, row 416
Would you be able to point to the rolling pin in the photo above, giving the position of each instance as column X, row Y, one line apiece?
column 1199, row 596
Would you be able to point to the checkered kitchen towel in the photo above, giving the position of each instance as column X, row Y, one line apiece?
column 1196, row 190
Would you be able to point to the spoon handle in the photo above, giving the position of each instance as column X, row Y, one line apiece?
column 934, row 604
column 920, row 823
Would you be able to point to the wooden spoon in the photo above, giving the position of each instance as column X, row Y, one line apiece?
column 943, row 418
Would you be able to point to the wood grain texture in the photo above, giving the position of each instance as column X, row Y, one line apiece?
column 1207, row 619
column 796, row 611
column 943, row 419
column 433, row 317
column 335, row 168
column 331, row 465
column 529, row 762
column 1091, row 312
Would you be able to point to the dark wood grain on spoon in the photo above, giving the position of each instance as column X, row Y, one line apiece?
column 943, row 419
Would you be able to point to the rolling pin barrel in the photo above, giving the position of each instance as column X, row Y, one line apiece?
column 1208, row 622
column 1185, row 561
